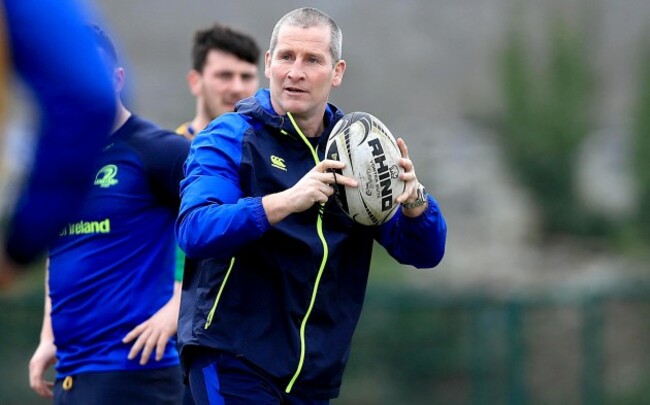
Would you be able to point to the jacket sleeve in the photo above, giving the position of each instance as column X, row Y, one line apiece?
column 419, row 241
column 72, row 91
column 214, row 218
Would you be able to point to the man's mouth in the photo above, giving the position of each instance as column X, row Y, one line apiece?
column 294, row 90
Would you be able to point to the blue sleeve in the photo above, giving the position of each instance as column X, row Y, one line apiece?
column 54, row 55
column 213, row 213
column 419, row 241
column 163, row 158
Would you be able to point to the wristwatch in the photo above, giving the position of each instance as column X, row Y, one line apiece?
column 422, row 198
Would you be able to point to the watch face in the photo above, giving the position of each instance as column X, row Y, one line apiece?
column 420, row 200
column 422, row 193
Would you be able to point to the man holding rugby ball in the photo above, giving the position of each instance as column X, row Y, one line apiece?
column 267, row 315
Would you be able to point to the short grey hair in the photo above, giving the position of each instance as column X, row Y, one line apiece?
column 308, row 17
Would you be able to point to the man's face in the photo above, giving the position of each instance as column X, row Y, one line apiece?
column 300, row 71
column 224, row 81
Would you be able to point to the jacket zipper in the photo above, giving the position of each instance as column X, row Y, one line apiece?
column 319, row 228
column 208, row 322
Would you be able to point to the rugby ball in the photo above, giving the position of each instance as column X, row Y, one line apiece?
column 372, row 157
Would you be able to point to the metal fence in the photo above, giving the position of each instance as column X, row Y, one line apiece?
column 568, row 346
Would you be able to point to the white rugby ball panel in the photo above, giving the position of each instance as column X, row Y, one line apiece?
column 371, row 155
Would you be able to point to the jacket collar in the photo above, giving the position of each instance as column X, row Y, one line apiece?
column 259, row 107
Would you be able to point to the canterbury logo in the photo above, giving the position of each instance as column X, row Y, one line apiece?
column 278, row 163
column 106, row 176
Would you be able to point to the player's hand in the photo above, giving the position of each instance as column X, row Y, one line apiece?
column 154, row 333
column 315, row 187
column 43, row 358
column 411, row 188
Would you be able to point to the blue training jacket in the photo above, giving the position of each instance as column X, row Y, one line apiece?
column 287, row 297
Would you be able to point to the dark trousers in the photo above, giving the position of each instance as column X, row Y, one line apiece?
column 219, row 378
column 163, row 386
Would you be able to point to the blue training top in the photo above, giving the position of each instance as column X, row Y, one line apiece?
column 113, row 265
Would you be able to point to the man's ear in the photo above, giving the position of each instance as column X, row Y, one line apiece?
column 267, row 64
column 339, row 70
column 118, row 79
column 194, row 82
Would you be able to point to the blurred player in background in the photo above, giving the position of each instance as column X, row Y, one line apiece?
column 112, row 309
column 267, row 316
column 224, row 71
column 44, row 43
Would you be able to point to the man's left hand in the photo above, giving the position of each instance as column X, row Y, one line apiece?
column 154, row 333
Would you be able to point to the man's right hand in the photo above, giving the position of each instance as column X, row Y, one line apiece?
column 44, row 357
column 315, row 187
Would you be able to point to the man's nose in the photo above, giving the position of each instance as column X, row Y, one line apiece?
column 238, row 84
column 297, row 70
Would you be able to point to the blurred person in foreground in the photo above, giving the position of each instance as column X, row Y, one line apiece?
column 268, row 314
column 44, row 44
column 112, row 308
